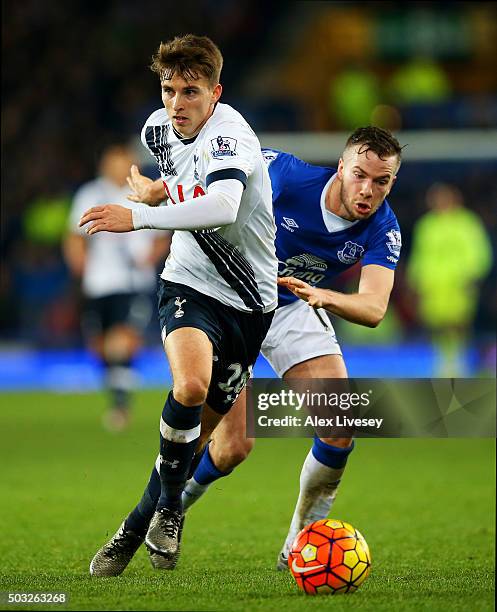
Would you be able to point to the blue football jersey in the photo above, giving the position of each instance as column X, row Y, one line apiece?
column 313, row 244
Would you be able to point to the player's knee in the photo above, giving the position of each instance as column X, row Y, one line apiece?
column 228, row 456
column 339, row 442
column 120, row 343
column 191, row 391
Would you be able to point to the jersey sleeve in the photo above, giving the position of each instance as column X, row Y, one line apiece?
column 232, row 150
column 385, row 245
column 151, row 130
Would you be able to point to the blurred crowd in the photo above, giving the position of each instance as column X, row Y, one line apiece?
column 75, row 77
column 420, row 65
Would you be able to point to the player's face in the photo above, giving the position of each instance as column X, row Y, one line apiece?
column 366, row 180
column 189, row 103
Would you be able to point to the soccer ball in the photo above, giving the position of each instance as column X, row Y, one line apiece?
column 329, row 557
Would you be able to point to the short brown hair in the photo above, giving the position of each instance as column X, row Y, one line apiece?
column 188, row 56
column 375, row 139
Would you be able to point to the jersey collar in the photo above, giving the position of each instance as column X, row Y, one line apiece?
column 182, row 139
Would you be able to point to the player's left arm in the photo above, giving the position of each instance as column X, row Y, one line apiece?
column 366, row 307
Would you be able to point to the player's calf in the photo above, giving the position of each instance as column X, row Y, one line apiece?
column 319, row 480
column 229, row 452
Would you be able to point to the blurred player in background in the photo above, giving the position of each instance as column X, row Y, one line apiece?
column 118, row 279
column 450, row 256
column 218, row 290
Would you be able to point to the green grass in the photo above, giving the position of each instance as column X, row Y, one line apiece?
column 426, row 508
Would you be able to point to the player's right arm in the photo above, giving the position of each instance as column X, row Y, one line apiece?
column 366, row 307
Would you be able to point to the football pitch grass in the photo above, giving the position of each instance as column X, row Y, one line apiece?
column 425, row 507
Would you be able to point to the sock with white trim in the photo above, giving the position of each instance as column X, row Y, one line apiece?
column 319, row 480
column 179, row 433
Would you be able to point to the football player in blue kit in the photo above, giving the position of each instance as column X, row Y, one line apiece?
column 327, row 220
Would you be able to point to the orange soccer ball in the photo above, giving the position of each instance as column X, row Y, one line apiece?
column 329, row 557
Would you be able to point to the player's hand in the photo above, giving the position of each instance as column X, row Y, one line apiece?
column 317, row 298
column 108, row 218
column 145, row 190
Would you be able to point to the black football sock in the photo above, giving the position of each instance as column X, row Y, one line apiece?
column 179, row 433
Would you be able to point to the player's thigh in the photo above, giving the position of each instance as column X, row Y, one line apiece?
column 189, row 352
column 312, row 334
column 324, row 366
column 300, row 334
column 190, row 329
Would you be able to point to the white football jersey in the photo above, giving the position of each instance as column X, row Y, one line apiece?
column 235, row 264
column 114, row 262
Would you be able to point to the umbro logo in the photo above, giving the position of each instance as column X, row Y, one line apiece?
column 290, row 224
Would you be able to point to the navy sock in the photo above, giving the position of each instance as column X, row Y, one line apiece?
column 331, row 456
column 180, row 430
column 206, row 471
column 139, row 519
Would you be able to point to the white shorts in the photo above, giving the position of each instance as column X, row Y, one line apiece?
column 297, row 333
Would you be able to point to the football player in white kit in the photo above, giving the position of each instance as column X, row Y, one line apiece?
column 218, row 289
column 118, row 294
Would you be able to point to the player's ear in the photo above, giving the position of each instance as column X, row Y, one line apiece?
column 216, row 93
column 392, row 183
column 340, row 168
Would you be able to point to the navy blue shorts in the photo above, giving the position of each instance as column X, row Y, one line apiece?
column 103, row 313
column 236, row 337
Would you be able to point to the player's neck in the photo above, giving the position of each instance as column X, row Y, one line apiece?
column 333, row 201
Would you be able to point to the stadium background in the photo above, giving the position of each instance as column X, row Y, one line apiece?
column 75, row 75
column 304, row 74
